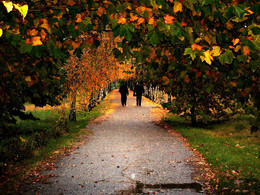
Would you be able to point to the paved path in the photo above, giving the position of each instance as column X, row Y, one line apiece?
column 127, row 154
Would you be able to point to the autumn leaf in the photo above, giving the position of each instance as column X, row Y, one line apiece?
column 1, row 32
column 151, row 21
column 207, row 57
column 140, row 9
column 140, row 21
column 45, row 24
column 28, row 79
column 133, row 17
column 187, row 79
column 215, row 51
column 8, row 6
column 196, row 46
column 100, row 11
column 165, row 80
column 246, row 50
column 43, row 34
column 79, row 19
column 121, row 20
column 177, row 7
column 36, row 41
column 235, row 41
column 70, row 2
column 22, row 9
column 168, row 19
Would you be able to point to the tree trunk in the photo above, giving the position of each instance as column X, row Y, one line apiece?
column 193, row 117
column 72, row 115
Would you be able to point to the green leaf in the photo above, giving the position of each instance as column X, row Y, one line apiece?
column 226, row 58
column 25, row 48
column 153, row 38
column 254, row 65
column 207, row 2
column 255, row 30
column 189, row 51
column 234, row 11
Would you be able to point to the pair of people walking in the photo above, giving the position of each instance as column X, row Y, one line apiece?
column 138, row 91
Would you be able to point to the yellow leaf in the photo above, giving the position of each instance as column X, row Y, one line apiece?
column 121, row 21
column 23, row 140
column 215, row 51
column 22, row 9
column 207, row 57
column 177, row 7
column 36, row 41
column 1, row 32
column 8, row 6
column 28, row 79
column 235, row 41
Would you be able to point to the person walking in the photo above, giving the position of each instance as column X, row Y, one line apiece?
column 138, row 92
column 124, row 93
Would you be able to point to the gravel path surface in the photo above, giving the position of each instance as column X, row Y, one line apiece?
column 127, row 154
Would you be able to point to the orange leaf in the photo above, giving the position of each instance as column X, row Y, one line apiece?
column 100, row 11
column 121, row 21
column 140, row 9
column 235, row 41
column 183, row 24
column 246, row 50
column 151, row 21
column 244, row 93
column 187, row 79
column 195, row 46
column 140, row 21
column 43, row 34
column 75, row 44
column 70, row 2
column 78, row 18
column 133, row 17
column 168, row 19
column 28, row 41
column 36, row 41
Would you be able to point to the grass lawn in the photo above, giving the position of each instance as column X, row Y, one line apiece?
column 57, row 144
column 230, row 148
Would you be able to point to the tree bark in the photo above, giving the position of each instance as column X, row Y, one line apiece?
column 193, row 117
column 72, row 115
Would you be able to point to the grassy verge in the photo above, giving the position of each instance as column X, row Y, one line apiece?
column 54, row 142
column 230, row 148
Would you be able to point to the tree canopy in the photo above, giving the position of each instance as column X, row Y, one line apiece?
column 204, row 52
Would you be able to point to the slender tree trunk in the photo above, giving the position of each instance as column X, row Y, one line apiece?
column 72, row 115
column 193, row 117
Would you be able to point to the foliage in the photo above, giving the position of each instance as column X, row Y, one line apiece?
column 210, row 48
column 232, row 153
column 205, row 53
column 94, row 71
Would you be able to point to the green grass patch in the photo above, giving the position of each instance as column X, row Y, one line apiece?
column 230, row 148
column 36, row 141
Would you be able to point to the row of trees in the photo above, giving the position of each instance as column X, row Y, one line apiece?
column 93, row 73
column 204, row 52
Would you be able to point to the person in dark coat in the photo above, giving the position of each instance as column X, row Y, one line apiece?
column 124, row 92
column 138, row 92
